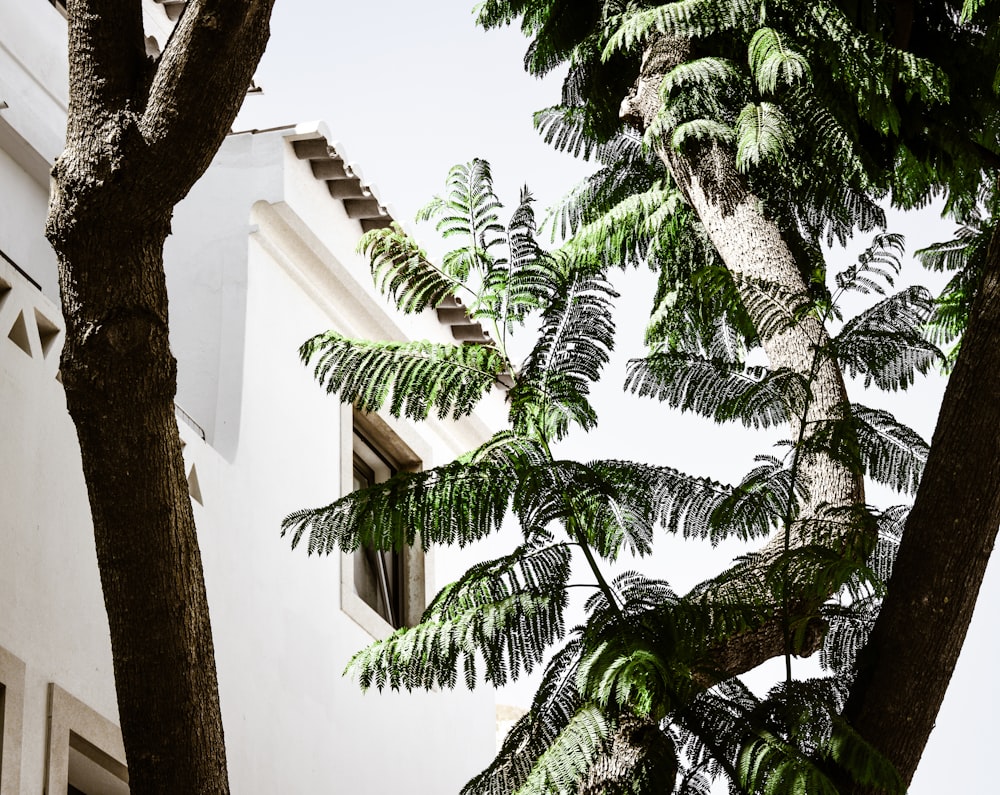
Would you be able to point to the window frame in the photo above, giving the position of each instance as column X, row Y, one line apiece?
column 387, row 564
column 12, row 673
column 73, row 724
column 397, row 456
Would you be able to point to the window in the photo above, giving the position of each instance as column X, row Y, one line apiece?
column 11, row 720
column 380, row 589
column 377, row 573
column 85, row 752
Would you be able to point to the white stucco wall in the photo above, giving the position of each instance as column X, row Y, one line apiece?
column 261, row 257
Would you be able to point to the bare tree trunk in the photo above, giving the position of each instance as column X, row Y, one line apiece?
column 139, row 133
column 908, row 662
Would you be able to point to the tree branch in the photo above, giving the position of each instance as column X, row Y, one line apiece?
column 942, row 558
column 109, row 56
column 201, row 77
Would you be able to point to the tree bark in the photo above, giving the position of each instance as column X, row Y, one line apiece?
column 907, row 664
column 753, row 249
column 139, row 133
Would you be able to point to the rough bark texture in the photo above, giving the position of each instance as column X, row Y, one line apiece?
column 139, row 133
column 908, row 662
column 752, row 247
column 754, row 251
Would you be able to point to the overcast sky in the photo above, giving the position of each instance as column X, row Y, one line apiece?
column 409, row 89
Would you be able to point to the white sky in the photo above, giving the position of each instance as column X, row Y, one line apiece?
column 409, row 89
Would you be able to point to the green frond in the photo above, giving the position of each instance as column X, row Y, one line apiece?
column 877, row 266
column 836, row 180
column 564, row 129
column 714, row 727
column 850, row 624
column 861, row 760
column 575, row 338
column 773, row 61
column 969, row 245
column 817, row 569
column 504, row 613
column 886, row 343
column 774, row 307
column 848, row 628
column 565, row 762
column 965, row 255
column 529, row 569
column 758, row 505
column 523, row 281
column 555, row 702
column 770, row 765
column 411, row 379
column 631, row 679
column 625, row 232
column 763, row 134
column 626, row 169
column 454, row 504
column 402, row 270
column 699, row 74
column 891, row 523
column 697, row 306
column 508, row 634
column 716, row 389
column 802, row 711
column 970, row 7
column 468, row 211
column 557, row 491
column 697, row 131
column 642, row 497
column 688, row 18
column 893, row 454
column 921, row 77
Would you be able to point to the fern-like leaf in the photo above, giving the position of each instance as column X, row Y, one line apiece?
column 698, row 75
column 402, row 270
column 524, row 280
column 468, row 211
column 507, row 611
column 411, row 379
column 763, row 134
column 688, row 18
column 555, row 702
column 454, row 504
column 575, row 338
column 759, row 504
column 755, row 396
column 886, row 344
column 510, row 633
column 893, row 454
column 625, row 231
column 698, row 131
column 773, row 61
column 565, row 762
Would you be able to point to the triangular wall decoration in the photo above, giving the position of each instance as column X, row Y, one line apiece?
column 194, row 487
column 19, row 334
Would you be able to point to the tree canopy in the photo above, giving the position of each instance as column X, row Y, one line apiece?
column 735, row 139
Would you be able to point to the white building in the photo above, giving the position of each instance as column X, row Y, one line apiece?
column 261, row 258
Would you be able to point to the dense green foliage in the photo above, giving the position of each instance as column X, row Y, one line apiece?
column 643, row 651
column 826, row 109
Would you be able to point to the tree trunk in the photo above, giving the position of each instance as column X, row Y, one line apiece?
column 911, row 654
column 754, row 251
column 139, row 133
column 119, row 377
column 762, row 264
